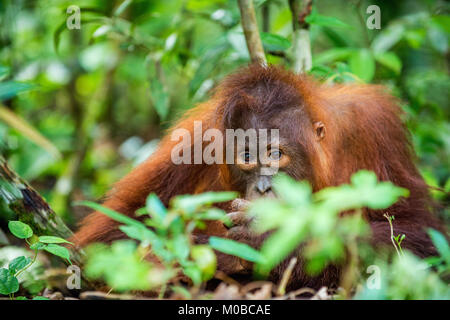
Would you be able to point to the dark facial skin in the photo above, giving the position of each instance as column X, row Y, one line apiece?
column 254, row 167
column 253, row 171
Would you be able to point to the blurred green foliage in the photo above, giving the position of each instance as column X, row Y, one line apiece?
column 310, row 221
column 167, row 232
column 314, row 219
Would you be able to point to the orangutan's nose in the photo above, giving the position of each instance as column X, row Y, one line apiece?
column 264, row 184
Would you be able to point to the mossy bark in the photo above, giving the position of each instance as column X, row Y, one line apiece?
column 17, row 196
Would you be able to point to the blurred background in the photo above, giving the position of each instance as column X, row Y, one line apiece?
column 80, row 107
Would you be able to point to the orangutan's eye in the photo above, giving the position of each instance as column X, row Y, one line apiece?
column 275, row 154
column 246, row 156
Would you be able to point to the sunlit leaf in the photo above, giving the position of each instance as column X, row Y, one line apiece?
column 205, row 259
column 438, row 38
column 9, row 89
column 317, row 19
column 110, row 213
column 20, row 230
column 332, row 55
column 57, row 250
column 160, row 97
column 190, row 203
column 119, row 265
column 4, row 72
column 235, row 248
column 441, row 244
column 53, row 239
column 18, row 263
column 362, row 64
column 273, row 42
column 155, row 207
column 389, row 60
column 294, row 193
column 8, row 282
column 123, row 6
column 387, row 38
column 280, row 244
column 140, row 233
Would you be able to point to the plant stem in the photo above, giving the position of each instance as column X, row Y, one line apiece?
column 286, row 276
column 301, row 46
column 28, row 265
column 251, row 32
column 388, row 217
column 163, row 291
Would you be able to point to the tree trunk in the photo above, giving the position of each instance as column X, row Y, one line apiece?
column 30, row 208
column 301, row 48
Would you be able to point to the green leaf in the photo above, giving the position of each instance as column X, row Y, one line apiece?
column 237, row 249
column 18, row 263
column 441, row 244
column 160, row 98
column 155, row 207
column 9, row 89
column 8, row 283
column 338, row 39
column 213, row 214
column 123, row 6
column 57, row 250
column 263, row 209
column 365, row 191
column 320, row 20
column 237, row 42
column 364, row 178
column 332, row 55
column 387, row 38
column 102, row 30
column 438, row 38
column 182, row 291
column 139, row 233
column 384, row 195
column 205, row 259
column 362, row 64
column 4, row 72
column 176, row 226
column 191, row 203
column 37, row 246
column 52, row 239
column 293, row 192
column 319, row 254
column 20, row 230
column 179, row 245
column 443, row 21
column 63, row 26
column 119, row 265
column 193, row 272
column 40, row 298
column 389, row 60
column 447, row 185
column 280, row 244
column 273, row 42
column 111, row 213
